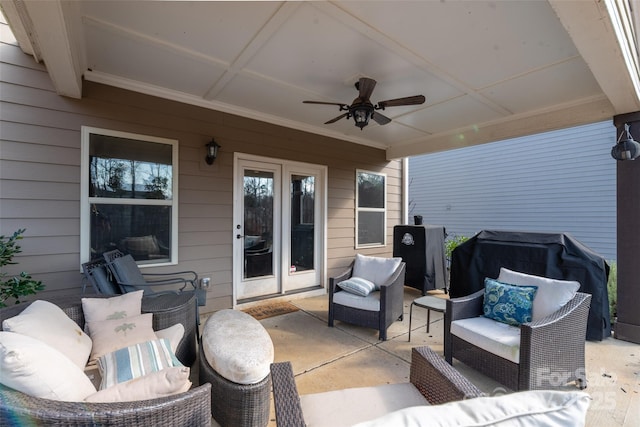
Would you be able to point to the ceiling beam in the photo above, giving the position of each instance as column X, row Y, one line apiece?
column 600, row 32
column 42, row 31
column 559, row 117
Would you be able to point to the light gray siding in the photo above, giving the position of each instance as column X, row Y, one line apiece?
column 562, row 181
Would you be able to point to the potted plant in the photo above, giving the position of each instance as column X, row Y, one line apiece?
column 18, row 286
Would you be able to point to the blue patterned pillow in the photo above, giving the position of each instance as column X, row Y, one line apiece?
column 508, row 304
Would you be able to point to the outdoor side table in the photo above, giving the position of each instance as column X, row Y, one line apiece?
column 430, row 303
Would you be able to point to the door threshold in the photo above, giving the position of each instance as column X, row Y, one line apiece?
column 288, row 296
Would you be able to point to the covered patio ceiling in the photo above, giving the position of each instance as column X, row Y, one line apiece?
column 489, row 70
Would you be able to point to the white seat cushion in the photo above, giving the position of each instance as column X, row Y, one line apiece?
column 353, row 405
column 495, row 337
column 371, row 302
column 552, row 294
column 523, row 409
column 237, row 346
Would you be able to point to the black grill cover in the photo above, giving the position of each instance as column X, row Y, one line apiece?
column 557, row 256
column 422, row 249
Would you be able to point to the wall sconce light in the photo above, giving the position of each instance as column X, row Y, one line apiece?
column 212, row 151
column 626, row 148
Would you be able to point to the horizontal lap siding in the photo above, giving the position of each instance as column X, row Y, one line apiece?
column 562, row 181
column 40, row 174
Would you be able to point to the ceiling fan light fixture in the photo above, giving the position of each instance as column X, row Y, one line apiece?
column 361, row 115
column 627, row 148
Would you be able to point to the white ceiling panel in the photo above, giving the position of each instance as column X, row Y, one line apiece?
column 210, row 28
column 476, row 42
column 143, row 60
column 559, row 84
column 329, row 58
column 453, row 114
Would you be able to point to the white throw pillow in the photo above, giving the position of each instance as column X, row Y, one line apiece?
column 99, row 309
column 163, row 383
column 135, row 361
column 357, row 286
column 552, row 294
column 527, row 408
column 37, row 369
column 110, row 335
column 375, row 269
column 47, row 322
column 174, row 334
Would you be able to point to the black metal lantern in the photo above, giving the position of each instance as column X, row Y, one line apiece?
column 212, row 151
column 626, row 148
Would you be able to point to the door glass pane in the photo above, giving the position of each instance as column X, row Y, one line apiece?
column 258, row 223
column 302, row 191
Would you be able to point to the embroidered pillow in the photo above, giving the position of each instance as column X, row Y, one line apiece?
column 508, row 304
column 136, row 361
column 99, row 309
column 357, row 286
column 110, row 335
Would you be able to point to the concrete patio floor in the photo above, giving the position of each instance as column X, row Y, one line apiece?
column 345, row 356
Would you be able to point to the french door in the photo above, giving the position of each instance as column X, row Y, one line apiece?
column 279, row 222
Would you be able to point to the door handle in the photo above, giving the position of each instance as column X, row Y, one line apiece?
column 239, row 236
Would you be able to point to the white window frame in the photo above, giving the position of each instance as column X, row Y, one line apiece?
column 358, row 245
column 86, row 201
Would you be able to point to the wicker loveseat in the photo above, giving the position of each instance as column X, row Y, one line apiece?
column 436, row 396
column 186, row 409
column 431, row 376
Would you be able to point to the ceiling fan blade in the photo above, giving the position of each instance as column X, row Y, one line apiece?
column 345, row 106
column 409, row 100
column 380, row 119
column 365, row 87
column 335, row 119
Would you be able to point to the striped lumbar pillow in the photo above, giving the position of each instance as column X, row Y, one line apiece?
column 135, row 361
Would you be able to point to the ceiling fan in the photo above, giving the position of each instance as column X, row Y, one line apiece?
column 362, row 109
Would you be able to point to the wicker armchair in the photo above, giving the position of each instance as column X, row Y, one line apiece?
column 186, row 409
column 551, row 349
column 391, row 297
column 435, row 379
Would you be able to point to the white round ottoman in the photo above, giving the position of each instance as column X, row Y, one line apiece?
column 236, row 353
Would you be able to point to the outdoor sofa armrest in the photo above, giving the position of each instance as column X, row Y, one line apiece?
column 438, row 381
column 285, row 396
column 465, row 307
column 190, row 408
column 559, row 337
column 333, row 281
column 460, row 308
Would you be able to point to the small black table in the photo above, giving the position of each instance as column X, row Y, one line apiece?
column 430, row 303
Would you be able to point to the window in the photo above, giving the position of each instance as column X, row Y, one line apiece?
column 371, row 208
column 129, row 200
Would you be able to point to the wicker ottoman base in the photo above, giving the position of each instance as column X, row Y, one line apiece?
column 236, row 405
